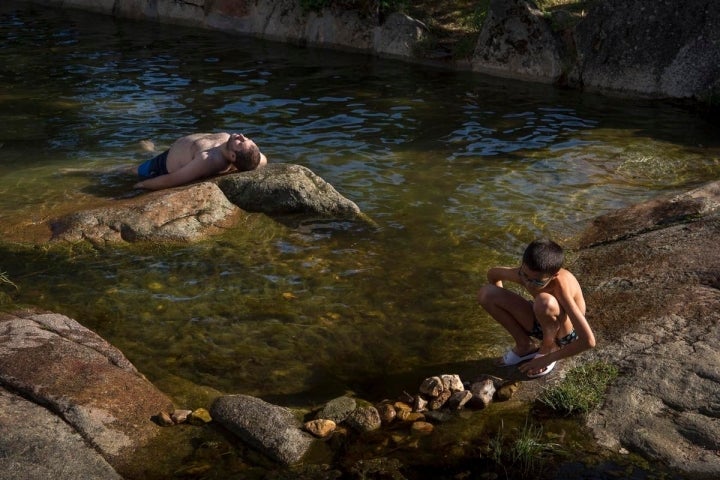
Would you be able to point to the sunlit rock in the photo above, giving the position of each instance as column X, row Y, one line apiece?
column 181, row 215
column 482, row 392
column 199, row 416
column 180, row 416
column 431, row 386
column 283, row 188
column 452, row 382
column 320, row 427
column 54, row 361
column 163, row 419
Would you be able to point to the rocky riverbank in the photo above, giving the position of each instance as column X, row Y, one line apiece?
column 651, row 275
column 651, row 272
column 655, row 48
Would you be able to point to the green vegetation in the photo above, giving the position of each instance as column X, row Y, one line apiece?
column 365, row 6
column 453, row 26
column 525, row 455
column 4, row 279
column 581, row 390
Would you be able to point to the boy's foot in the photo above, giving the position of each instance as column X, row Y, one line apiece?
column 543, row 371
column 511, row 358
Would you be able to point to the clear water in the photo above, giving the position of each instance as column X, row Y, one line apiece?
column 460, row 171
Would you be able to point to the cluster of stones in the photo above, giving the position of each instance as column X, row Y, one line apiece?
column 436, row 396
column 199, row 416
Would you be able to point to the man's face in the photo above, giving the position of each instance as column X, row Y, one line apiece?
column 240, row 144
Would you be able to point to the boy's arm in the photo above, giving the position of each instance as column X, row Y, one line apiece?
column 585, row 340
column 497, row 275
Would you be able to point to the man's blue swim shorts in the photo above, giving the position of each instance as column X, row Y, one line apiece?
column 154, row 167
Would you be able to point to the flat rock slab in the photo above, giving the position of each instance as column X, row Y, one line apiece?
column 36, row 444
column 652, row 283
column 54, row 361
column 181, row 215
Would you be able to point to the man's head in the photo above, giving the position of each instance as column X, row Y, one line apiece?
column 544, row 256
column 245, row 155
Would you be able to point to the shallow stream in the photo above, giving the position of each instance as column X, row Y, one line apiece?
column 459, row 171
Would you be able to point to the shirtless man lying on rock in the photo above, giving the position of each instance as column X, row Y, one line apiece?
column 198, row 156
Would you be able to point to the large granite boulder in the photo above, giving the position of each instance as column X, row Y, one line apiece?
column 53, row 361
column 656, row 47
column 651, row 275
column 284, row 188
column 181, row 215
column 517, row 41
column 273, row 430
column 197, row 211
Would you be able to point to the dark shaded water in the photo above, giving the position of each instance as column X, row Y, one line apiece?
column 460, row 171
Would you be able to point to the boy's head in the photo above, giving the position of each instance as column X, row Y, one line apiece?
column 544, row 256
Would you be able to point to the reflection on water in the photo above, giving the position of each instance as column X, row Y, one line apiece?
column 460, row 171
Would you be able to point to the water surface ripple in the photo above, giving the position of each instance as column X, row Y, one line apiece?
column 459, row 171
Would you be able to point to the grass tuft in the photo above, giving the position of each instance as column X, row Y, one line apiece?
column 582, row 389
column 525, row 455
column 5, row 279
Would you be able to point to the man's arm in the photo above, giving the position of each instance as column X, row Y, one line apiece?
column 195, row 170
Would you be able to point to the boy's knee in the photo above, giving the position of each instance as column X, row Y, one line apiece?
column 546, row 306
column 485, row 293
